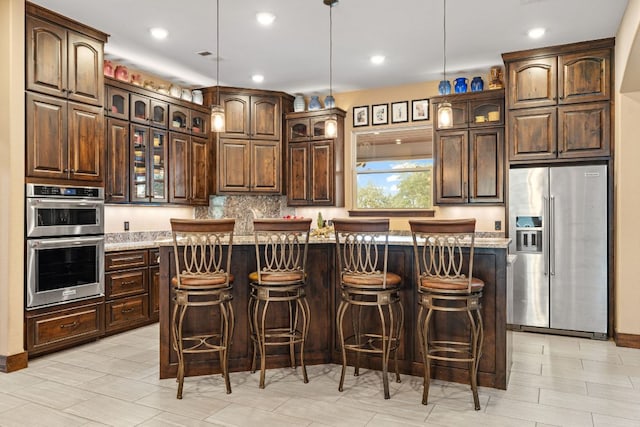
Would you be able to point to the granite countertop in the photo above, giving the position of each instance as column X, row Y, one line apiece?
column 402, row 240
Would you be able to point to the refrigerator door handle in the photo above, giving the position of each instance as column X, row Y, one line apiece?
column 545, row 247
column 552, row 231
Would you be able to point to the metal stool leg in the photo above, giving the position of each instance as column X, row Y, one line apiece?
column 386, row 345
column 342, row 308
column 427, row 360
column 306, row 319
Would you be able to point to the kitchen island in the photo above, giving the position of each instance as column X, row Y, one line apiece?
column 323, row 293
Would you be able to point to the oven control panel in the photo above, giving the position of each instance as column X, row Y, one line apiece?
column 37, row 190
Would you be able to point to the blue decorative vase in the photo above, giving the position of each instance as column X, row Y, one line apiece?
column 460, row 85
column 299, row 104
column 329, row 102
column 314, row 104
column 477, row 85
column 444, row 88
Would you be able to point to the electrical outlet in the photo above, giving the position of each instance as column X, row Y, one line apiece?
column 498, row 225
column 126, row 226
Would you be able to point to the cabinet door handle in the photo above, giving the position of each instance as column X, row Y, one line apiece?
column 128, row 282
column 127, row 258
column 126, row 310
column 69, row 325
column 72, row 171
column 65, row 170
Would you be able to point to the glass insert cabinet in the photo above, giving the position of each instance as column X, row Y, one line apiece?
column 148, row 164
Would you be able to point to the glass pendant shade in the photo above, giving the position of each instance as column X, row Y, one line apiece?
column 445, row 115
column 217, row 118
column 331, row 128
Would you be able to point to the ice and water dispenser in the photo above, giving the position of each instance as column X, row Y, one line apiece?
column 529, row 234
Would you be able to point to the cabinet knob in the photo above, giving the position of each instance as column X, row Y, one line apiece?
column 65, row 170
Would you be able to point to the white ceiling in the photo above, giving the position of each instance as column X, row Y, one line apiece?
column 293, row 55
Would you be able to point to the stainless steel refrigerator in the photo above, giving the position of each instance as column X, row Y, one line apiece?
column 558, row 227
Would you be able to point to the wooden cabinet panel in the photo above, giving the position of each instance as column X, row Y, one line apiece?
column 199, row 123
column 117, row 103
column 532, row 134
column 154, row 293
column 158, row 113
column 125, row 260
column 199, row 171
column 451, row 166
column 59, row 327
column 46, row 144
column 322, row 172
column 234, row 165
column 86, row 142
column 265, row 117
column 139, row 109
column 178, row 168
column 584, row 130
column 266, row 166
column 117, row 174
column 486, row 165
column 179, row 118
column 125, row 283
column 46, row 57
column 532, row 82
column 85, row 69
column 584, row 76
column 298, row 130
column 298, row 162
column 237, row 112
column 127, row 313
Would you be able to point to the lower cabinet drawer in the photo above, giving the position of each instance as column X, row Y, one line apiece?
column 126, row 283
column 59, row 328
column 124, row 313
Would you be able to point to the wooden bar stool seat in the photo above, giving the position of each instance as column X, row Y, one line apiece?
column 447, row 287
column 202, row 251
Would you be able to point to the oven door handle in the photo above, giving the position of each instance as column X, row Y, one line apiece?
column 62, row 242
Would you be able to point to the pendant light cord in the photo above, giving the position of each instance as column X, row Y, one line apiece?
column 218, row 52
column 444, row 42
column 331, row 50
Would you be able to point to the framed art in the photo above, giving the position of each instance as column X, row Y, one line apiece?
column 419, row 110
column 380, row 114
column 400, row 112
column 361, row 116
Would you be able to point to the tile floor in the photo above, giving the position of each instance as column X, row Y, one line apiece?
column 554, row 381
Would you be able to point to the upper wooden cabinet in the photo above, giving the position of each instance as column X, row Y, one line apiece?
column 469, row 159
column 559, row 102
column 189, row 166
column 315, row 163
column 251, row 116
column 63, row 58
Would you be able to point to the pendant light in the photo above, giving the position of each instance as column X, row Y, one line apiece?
column 445, row 112
column 217, row 111
column 331, row 124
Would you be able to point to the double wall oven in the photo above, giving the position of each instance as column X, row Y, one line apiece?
column 64, row 244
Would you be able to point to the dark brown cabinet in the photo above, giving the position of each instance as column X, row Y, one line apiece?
column 154, row 284
column 251, row 116
column 315, row 163
column 189, row 169
column 65, row 140
column 63, row 62
column 149, row 111
column 247, row 166
column 117, row 176
column 469, row 159
column 148, row 152
column 117, row 103
column 559, row 102
column 186, row 120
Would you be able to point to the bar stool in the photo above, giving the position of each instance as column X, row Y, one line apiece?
column 202, row 280
column 362, row 251
column 444, row 286
column 281, row 255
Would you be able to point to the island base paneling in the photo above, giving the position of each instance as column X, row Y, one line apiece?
column 322, row 294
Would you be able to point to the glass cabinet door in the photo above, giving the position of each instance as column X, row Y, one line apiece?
column 117, row 103
column 486, row 112
column 158, row 166
column 159, row 113
column 298, row 130
column 139, row 161
column 178, row 118
column 199, row 123
column 318, row 127
column 139, row 109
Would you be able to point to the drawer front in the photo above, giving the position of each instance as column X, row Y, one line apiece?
column 77, row 324
column 127, row 312
column 126, row 283
column 124, row 260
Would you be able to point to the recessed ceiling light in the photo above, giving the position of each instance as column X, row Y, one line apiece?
column 265, row 18
column 257, row 78
column 377, row 59
column 159, row 33
column 536, row 33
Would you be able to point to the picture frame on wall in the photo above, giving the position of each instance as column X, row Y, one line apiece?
column 419, row 110
column 380, row 114
column 361, row 116
column 400, row 112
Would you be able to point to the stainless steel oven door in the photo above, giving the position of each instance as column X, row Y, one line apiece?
column 64, row 269
column 60, row 217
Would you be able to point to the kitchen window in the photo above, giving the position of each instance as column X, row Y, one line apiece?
column 393, row 169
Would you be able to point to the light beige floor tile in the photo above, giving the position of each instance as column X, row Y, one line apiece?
column 610, row 369
column 120, row 388
column 450, row 417
column 405, row 407
column 545, row 359
column 33, row 415
column 568, row 385
column 245, row 416
column 9, row 383
column 636, row 382
column 514, row 392
column 622, row 394
column 533, row 367
column 65, row 374
column 85, row 359
column 586, row 375
column 600, row 420
column 532, row 348
column 53, row 394
column 115, row 412
column 126, row 368
column 538, row 413
column 193, row 404
column 592, row 404
column 167, row 419
column 8, row 402
column 330, row 413
column 384, row 420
